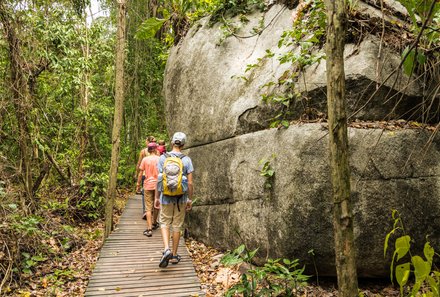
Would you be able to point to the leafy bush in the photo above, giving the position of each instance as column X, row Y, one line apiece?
column 235, row 7
column 92, row 189
column 426, row 280
column 276, row 278
column 29, row 240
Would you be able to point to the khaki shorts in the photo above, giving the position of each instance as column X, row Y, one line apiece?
column 149, row 200
column 171, row 216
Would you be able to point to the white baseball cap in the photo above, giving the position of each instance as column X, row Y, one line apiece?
column 179, row 138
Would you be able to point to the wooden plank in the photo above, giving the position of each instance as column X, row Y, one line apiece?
column 116, row 290
column 128, row 264
column 143, row 282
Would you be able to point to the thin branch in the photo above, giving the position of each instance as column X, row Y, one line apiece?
column 57, row 167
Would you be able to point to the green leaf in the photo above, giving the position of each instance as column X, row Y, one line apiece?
column 270, row 172
column 240, row 249
column 285, row 123
column 230, row 260
column 421, row 268
column 394, row 212
column 149, row 28
column 434, row 285
column 402, row 246
column 402, row 273
column 387, row 238
column 429, row 252
column 408, row 63
column 252, row 254
column 39, row 258
column 416, row 288
column 421, row 58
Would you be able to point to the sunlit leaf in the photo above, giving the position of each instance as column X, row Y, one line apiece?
column 421, row 268
column 429, row 252
column 402, row 273
column 149, row 28
column 402, row 246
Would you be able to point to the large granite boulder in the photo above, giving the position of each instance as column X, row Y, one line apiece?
column 211, row 91
column 210, row 96
column 390, row 170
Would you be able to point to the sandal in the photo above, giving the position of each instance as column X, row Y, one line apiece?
column 175, row 259
column 148, row 232
column 155, row 226
column 166, row 256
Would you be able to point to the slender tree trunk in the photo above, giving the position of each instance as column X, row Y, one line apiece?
column 84, row 104
column 338, row 144
column 22, row 105
column 117, row 122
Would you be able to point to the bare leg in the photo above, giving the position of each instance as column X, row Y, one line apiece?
column 176, row 238
column 149, row 224
column 155, row 215
column 165, row 237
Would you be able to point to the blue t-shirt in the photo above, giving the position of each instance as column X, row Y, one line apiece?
column 187, row 168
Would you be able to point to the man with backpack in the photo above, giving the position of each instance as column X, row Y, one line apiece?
column 173, row 196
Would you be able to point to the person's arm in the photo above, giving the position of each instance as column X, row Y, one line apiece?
column 156, row 198
column 141, row 156
column 190, row 191
column 139, row 180
column 157, row 193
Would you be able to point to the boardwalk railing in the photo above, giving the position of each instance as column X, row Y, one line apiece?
column 128, row 263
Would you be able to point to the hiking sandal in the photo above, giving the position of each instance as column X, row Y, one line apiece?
column 166, row 256
column 148, row 232
column 175, row 259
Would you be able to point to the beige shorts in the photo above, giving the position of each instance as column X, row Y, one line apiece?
column 149, row 199
column 171, row 216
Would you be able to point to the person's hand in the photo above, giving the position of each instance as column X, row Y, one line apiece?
column 157, row 203
column 138, row 189
column 188, row 206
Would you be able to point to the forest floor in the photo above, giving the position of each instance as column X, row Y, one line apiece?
column 69, row 275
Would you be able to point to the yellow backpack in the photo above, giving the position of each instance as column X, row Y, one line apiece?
column 172, row 176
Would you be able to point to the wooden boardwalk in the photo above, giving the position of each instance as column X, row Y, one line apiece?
column 128, row 263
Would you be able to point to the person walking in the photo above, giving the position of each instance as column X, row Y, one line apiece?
column 143, row 153
column 148, row 169
column 178, row 178
column 162, row 149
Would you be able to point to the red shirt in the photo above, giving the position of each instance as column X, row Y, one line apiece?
column 162, row 149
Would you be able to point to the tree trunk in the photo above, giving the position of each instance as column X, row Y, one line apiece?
column 22, row 105
column 84, row 104
column 117, row 122
column 338, row 144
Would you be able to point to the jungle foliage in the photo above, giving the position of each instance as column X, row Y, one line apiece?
column 56, row 113
column 57, row 102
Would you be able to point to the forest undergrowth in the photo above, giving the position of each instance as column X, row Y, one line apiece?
column 67, row 271
column 53, row 256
